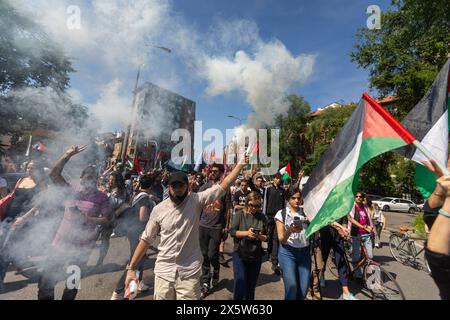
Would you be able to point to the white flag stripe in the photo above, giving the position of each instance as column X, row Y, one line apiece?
column 317, row 196
column 436, row 141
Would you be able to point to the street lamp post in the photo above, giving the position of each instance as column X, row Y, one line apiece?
column 126, row 143
column 240, row 120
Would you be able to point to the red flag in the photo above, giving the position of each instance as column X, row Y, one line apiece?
column 255, row 150
column 136, row 165
column 41, row 147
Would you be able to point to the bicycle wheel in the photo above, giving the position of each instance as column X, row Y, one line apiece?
column 382, row 284
column 399, row 248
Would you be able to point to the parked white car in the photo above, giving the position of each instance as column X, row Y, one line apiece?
column 397, row 204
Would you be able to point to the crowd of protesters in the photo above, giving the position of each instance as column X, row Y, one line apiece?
column 192, row 215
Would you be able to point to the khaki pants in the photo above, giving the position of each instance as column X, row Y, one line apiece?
column 186, row 289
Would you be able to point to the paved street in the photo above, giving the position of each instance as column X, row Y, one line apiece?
column 100, row 283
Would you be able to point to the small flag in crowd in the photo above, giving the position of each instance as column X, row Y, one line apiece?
column 136, row 165
column 286, row 173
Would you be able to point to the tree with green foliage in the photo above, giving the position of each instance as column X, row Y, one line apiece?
column 321, row 130
column 375, row 176
column 28, row 57
column 405, row 55
column 33, row 79
column 294, row 146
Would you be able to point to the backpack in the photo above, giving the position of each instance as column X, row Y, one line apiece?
column 125, row 222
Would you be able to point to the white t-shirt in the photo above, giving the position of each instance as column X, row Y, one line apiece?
column 296, row 240
column 3, row 183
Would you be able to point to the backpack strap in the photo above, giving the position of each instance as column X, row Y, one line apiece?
column 138, row 198
column 283, row 215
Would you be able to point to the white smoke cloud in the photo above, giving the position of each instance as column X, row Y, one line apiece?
column 265, row 76
column 117, row 36
column 113, row 105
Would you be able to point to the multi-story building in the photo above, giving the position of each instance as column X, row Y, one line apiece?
column 157, row 112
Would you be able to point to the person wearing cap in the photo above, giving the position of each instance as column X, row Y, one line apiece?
column 178, row 266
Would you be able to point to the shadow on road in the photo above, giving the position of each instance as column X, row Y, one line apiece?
column 14, row 286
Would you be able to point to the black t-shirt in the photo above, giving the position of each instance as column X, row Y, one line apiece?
column 240, row 197
column 129, row 222
column 430, row 214
column 213, row 216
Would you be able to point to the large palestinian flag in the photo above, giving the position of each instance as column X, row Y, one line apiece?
column 428, row 121
column 369, row 132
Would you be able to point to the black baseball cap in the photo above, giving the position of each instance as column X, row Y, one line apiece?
column 178, row 176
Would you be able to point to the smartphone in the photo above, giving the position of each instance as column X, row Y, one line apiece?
column 256, row 231
column 297, row 221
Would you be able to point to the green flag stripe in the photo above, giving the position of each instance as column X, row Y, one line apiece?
column 373, row 147
column 339, row 201
column 338, row 204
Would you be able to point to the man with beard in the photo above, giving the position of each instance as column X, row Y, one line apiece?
column 77, row 234
column 178, row 264
column 213, row 223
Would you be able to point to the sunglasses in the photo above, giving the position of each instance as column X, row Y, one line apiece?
column 255, row 206
column 359, row 197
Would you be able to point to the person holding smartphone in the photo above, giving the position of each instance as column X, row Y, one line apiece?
column 249, row 229
column 294, row 251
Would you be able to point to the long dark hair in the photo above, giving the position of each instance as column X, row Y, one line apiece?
column 119, row 180
column 290, row 192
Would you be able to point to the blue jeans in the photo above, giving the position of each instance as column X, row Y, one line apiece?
column 356, row 250
column 296, row 266
column 245, row 277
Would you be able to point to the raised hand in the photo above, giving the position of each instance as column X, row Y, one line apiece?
column 444, row 183
column 433, row 167
column 73, row 150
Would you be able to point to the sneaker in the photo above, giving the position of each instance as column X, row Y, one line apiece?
column 222, row 260
column 348, row 296
column 116, row 296
column 377, row 245
column 142, row 287
column 205, row 291
column 322, row 282
column 276, row 269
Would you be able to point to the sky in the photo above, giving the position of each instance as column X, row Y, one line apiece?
column 231, row 57
column 323, row 28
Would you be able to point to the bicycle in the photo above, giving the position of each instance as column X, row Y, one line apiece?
column 315, row 291
column 403, row 248
column 377, row 280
